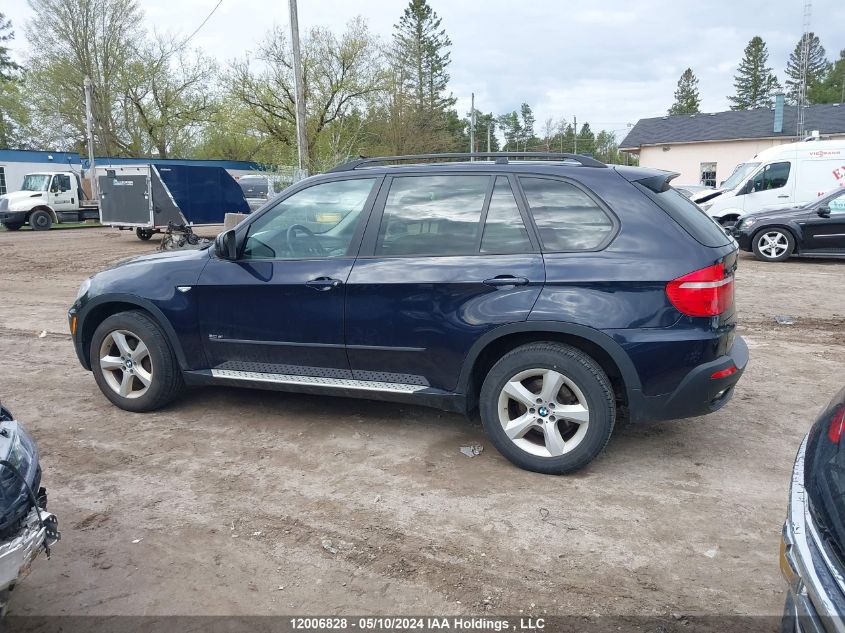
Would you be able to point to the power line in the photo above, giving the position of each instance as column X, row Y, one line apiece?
column 208, row 17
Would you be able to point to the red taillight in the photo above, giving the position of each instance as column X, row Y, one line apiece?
column 723, row 373
column 703, row 293
column 837, row 422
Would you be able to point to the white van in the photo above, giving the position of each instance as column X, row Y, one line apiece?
column 779, row 177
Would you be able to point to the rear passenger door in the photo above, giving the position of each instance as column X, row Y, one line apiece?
column 445, row 258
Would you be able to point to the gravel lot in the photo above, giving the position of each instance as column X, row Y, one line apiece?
column 225, row 502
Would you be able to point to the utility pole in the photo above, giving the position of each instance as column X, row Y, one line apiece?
column 472, row 124
column 301, row 136
column 489, row 125
column 575, row 132
column 89, row 127
column 805, row 54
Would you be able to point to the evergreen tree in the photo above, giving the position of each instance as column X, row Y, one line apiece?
column 817, row 66
column 831, row 89
column 7, row 66
column 421, row 53
column 687, row 99
column 511, row 127
column 528, row 137
column 482, row 122
column 755, row 83
column 586, row 140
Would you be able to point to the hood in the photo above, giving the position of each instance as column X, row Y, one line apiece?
column 189, row 254
column 705, row 196
column 21, row 195
column 779, row 213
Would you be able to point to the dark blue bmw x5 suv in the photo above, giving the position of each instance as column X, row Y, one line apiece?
column 552, row 293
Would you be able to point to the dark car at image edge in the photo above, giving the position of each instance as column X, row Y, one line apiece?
column 549, row 292
column 812, row 554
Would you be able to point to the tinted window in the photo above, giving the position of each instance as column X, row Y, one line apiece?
column 504, row 231
column 432, row 215
column 566, row 217
column 772, row 176
column 313, row 223
column 689, row 215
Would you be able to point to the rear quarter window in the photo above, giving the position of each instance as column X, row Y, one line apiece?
column 689, row 215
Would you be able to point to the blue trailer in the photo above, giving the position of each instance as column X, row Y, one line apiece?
column 161, row 196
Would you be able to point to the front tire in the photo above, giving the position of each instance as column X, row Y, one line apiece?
column 548, row 407
column 773, row 245
column 40, row 220
column 133, row 363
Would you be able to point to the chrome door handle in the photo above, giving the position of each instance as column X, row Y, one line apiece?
column 506, row 280
column 324, row 283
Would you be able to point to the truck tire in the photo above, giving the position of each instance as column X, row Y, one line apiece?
column 144, row 234
column 548, row 407
column 13, row 226
column 133, row 363
column 40, row 220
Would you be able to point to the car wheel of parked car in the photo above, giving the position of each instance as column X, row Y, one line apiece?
column 40, row 220
column 773, row 245
column 548, row 407
column 133, row 363
column 13, row 226
column 143, row 234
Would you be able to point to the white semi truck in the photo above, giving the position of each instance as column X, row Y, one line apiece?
column 47, row 198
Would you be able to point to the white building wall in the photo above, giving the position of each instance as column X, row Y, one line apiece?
column 686, row 158
column 15, row 171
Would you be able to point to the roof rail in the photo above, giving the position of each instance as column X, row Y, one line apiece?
column 500, row 157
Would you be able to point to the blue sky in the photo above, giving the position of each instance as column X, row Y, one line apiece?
column 609, row 63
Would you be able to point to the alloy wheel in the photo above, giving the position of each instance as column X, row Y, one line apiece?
column 126, row 364
column 543, row 412
column 772, row 244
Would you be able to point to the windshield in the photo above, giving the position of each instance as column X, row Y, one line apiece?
column 35, row 182
column 742, row 171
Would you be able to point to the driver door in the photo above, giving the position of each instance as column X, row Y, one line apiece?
column 278, row 308
column 772, row 188
column 62, row 197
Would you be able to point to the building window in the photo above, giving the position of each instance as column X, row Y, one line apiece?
column 708, row 174
column 2, row 180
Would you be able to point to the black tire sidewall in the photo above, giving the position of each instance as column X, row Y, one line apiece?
column 790, row 248
column 34, row 217
column 576, row 366
column 163, row 362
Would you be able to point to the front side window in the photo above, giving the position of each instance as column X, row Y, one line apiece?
column 432, row 215
column 317, row 222
column 566, row 217
column 61, row 182
column 504, row 230
column 836, row 204
column 772, row 176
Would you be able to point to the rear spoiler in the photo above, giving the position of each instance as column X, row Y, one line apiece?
column 657, row 180
column 659, row 183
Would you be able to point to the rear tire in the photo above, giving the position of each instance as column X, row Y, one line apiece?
column 40, row 220
column 133, row 363
column 548, row 407
column 144, row 234
column 773, row 245
column 13, row 226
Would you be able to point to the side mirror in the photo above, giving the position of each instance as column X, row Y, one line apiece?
column 824, row 212
column 226, row 245
column 747, row 188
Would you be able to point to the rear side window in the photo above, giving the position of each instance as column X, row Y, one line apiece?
column 689, row 215
column 772, row 176
column 432, row 215
column 566, row 218
column 504, row 231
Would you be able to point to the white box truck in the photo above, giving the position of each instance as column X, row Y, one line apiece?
column 777, row 178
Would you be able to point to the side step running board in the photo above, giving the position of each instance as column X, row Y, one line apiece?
column 316, row 381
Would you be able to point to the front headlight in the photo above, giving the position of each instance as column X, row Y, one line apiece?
column 83, row 288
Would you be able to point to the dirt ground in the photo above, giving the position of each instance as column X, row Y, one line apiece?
column 250, row 502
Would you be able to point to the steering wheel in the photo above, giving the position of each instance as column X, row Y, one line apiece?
column 309, row 247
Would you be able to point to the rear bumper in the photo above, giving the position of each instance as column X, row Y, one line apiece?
column 699, row 393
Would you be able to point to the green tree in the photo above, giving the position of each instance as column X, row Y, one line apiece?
column 586, row 140
column 687, row 99
column 8, row 68
column 528, row 136
column 816, row 63
column 831, row 89
column 511, row 127
column 482, row 123
column 755, row 83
